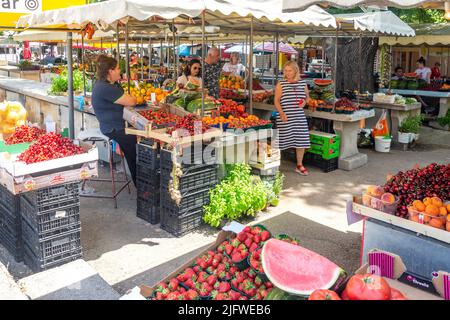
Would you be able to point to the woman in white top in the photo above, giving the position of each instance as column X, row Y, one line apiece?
column 422, row 71
column 233, row 68
column 191, row 74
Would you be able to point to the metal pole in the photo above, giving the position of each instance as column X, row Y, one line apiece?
column 251, row 66
column 127, row 57
column 277, row 55
column 273, row 67
column 142, row 58
column 359, row 62
column 175, row 51
column 70, row 85
column 118, row 43
column 161, row 52
column 335, row 60
column 150, row 55
column 247, row 62
column 203, row 62
column 82, row 64
column 323, row 59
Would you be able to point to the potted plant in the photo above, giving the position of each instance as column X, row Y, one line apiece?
column 409, row 129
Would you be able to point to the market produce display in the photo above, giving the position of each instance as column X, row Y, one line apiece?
column 50, row 146
column 311, row 272
column 322, row 294
column 230, row 107
column 239, row 194
column 419, row 183
column 160, row 118
column 191, row 123
column 232, row 94
column 12, row 115
column 232, row 122
column 24, row 134
column 142, row 91
column 231, row 82
column 376, row 198
column 344, row 105
column 216, row 276
column 60, row 84
column 370, row 287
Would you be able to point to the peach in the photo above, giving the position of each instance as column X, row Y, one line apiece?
column 388, row 197
column 366, row 199
column 375, row 191
column 436, row 202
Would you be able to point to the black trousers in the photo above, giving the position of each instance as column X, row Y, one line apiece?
column 127, row 144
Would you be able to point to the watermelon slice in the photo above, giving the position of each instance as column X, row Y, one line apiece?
column 322, row 82
column 297, row 270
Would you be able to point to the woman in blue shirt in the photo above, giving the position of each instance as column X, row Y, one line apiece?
column 108, row 100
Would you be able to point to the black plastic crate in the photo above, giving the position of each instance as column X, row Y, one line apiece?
column 147, row 156
column 149, row 209
column 37, row 264
column 181, row 225
column 189, row 201
column 48, row 248
column 189, row 158
column 54, row 197
column 50, row 221
column 317, row 161
column 9, row 201
column 12, row 241
column 147, row 177
column 201, row 177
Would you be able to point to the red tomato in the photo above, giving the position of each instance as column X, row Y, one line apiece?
column 397, row 295
column 368, row 287
column 324, row 295
column 344, row 295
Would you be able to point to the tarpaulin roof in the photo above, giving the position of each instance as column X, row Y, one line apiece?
column 55, row 36
column 428, row 34
column 297, row 5
column 283, row 47
column 385, row 22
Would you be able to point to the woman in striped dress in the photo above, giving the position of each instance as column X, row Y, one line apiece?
column 291, row 95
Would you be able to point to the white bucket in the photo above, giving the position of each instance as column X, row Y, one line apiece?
column 405, row 137
column 382, row 144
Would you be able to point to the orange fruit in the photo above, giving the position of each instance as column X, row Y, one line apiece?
column 448, row 208
column 426, row 219
column 418, row 205
column 447, row 226
column 432, row 210
column 443, row 211
column 437, row 223
column 414, row 218
column 448, row 218
column 437, row 202
column 426, row 201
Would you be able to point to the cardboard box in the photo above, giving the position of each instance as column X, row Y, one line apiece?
column 392, row 268
column 264, row 154
column 19, row 168
column 359, row 208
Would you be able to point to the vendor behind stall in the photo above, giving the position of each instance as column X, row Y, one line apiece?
column 398, row 74
column 191, row 74
column 234, row 67
column 108, row 100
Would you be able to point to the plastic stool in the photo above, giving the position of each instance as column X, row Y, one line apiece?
column 95, row 135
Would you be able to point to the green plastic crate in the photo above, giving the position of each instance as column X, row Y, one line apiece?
column 14, row 148
column 326, row 153
column 325, row 139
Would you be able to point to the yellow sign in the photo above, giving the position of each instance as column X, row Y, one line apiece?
column 10, row 9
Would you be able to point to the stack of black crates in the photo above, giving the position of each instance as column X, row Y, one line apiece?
column 42, row 228
column 183, row 212
column 148, row 180
column 11, row 223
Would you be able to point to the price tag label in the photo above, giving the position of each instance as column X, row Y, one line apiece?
column 60, row 214
column 153, row 97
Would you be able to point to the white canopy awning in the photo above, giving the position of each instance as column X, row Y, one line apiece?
column 426, row 34
column 384, row 22
column 298, row 5
column 107, row 14
column 56, row 36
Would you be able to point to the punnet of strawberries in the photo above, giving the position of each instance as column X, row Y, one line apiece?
column 215, row 276
column 418, row 183
column 48, row 147
column 24, row 134
column 191, row 123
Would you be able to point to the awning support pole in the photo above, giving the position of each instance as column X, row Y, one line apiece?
column 82, row 65
column 359, row 62
column 150, row 55
column 142, row 58
column 203, row 62
column 335, row 61
column 250, row 63
column 277, row 55
column 118, row 43
column 70, row 84
column 127, row 57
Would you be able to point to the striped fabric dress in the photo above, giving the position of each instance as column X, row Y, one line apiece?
column 294, row 133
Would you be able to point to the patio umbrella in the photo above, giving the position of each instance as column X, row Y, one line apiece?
column 283, row 47
column 238, row 48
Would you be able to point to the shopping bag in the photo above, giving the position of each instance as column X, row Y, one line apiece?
column 381, row 127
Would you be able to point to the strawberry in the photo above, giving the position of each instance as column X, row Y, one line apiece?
column 211, row 280
column 202, row 277
column 248, row 242
column 241, row 236
column 234, row 295
column 203, row 292
column 221, row 267
column 233, row 270
column 243, row 298
column 216, row 285
column 252, row 274
column 197, row 269
column 235, row 242
column 172, row 296
column 234, row 282
column 236, row 257
column 173, row 284
column 265, row 235
column 257, row 255
column 181, row 277
column 211, row 253
column 256, row 239
column 228, row 249
column 189, row 272
column 268, row 285
column 182, row 290
column 222, row 274
column 240, row 277
column 258, row 282
column 159, row 296
column 254, row 264
column 221, row 247
column 260, row 269
column 256, row 230
column 221, row 296
column 192, row 294
column 224, row 286
column 244, row 253
column 180, row 296
column 210, row 270
column 218, row 257
column 253, row 247
column 247, row 229
column 189, row 283
column 201, row 263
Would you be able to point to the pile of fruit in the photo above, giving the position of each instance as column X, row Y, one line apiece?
column 231, row 82
column 262, row 96
column 159, row 117
column 232, row 94
column 431, row 211
column 231, row 107
column 378, row 199
column 191, row 123
column 24, row 134
column 419, row 183
column 50, row 146
column 362, row 287
column 143, row 92
column 12, row 115
column 244, row 122
column 344, row 105
column 219, row 274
